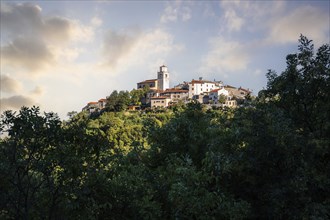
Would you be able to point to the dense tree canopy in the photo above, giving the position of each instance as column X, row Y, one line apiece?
column 266, row 160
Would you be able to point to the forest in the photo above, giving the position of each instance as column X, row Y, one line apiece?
column 268, row 159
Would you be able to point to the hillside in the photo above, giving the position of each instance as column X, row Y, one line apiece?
column 265, row 160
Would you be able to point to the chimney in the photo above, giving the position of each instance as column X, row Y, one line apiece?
column 201, row 78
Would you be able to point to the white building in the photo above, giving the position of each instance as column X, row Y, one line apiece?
column 175, row 94
column 200, row 87
column 215, row 94
column 102, row 103
column 163, row 77
column 91, row 107
column 152, row 83
column 161, row 83
column 160, row 101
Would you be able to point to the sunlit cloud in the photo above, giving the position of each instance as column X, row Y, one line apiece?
column 34, row 42
column 9, row 85
column 307, row 20
column 118, row 45
column 225, row 56
column 131, row 47
column 37, row 91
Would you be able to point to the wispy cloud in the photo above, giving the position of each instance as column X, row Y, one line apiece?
column 131, row 47
column 176, row 10
column 225, row 56
column 307, row 20
column 249, row 15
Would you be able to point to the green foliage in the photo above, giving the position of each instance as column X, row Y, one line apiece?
column 137, row 95
column 118, row 101
column 266, row 160
column 222, row 99
column 302, row 90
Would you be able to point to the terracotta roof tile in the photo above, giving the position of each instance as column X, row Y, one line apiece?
column 160, row 97
column 92, row 103
column 215, row 90
column 148, row 81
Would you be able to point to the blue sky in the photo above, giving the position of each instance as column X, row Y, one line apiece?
column 62, row 54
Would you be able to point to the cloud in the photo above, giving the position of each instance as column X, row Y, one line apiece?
column 307, row 20
column 37, row 91
column 117, row 45
column 27, row 52
column 134, row 47
column 225, row 56
column 34, row 42
column 56, row 29
column 249, row 15
column 9, row 85
column 96, row 21
column 19, row 19
column 15, row 102
column 176, row 11
column 234, row 22
column 282, row 24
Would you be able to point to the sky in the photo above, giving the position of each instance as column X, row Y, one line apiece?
column 60, row 55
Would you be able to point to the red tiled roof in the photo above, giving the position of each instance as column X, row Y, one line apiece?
column 215, row 90
column 176, row 90
column 102, row 100
column 156, row 90
column 148, row 80
column 92, row 103
column 160, row 97
column 200, row 81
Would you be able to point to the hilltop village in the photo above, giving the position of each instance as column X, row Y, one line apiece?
column 159, row 94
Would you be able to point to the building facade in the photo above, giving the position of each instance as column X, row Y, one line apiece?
column 160, row 101
column 163, row 77
column 175, row 94
column 214, row 95
column 200, row 87
column 161, row 83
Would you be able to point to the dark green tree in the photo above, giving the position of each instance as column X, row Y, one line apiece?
column 302, row 90
column 29, row 172
column 118, row 101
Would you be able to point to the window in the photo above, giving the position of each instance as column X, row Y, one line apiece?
column 162, row 101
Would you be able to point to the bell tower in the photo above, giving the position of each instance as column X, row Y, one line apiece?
column 163, row 77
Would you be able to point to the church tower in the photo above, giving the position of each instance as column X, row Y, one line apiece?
column 163, row 77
